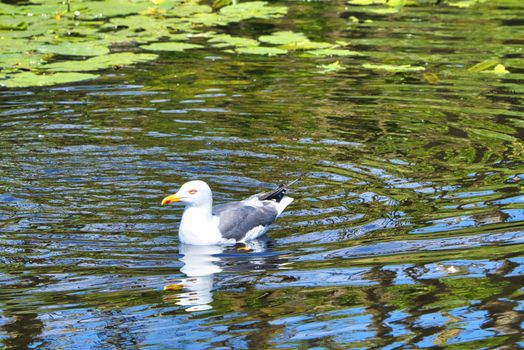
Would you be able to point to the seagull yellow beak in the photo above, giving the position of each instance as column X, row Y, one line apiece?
column 172, row 198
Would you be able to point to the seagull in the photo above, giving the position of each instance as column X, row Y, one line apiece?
column 246, row 220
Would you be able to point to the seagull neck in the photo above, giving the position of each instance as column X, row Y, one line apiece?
column 199, row 212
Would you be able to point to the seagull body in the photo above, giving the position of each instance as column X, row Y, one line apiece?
column 203, row 224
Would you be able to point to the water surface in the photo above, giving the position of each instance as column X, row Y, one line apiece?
column 407, row 230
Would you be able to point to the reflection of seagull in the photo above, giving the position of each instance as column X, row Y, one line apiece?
column 200, row 263
column 203, row 224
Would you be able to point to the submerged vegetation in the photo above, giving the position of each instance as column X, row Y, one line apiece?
column 47, row 43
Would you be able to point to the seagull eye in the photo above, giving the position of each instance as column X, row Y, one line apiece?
column 192, row 191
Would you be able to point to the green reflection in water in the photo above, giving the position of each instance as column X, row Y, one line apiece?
column 406, row 232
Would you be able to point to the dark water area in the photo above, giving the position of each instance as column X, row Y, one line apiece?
column 407, row 230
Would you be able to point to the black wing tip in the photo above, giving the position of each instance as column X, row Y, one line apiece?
column 278, row 193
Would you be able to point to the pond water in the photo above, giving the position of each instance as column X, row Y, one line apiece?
column 407, row 229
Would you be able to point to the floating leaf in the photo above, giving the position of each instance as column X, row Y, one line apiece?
column 75, row 49
column 170, row 46
column 26, row 79
column 153, row 11
column 252, row 9
column 151, row 25
column 221, row 3
column 261, row 50
column 385, row 11
column 400, row 3
column 283, row 37
column 208, row 19
column 8, row 9
column 21, row 60
column 431, row 78
column 479, row 67
column 237, row 13
column 333, row 52
column 224, row 40
column 394, row 68
column 101, row 62
column 32, row 32
column 101, row 9
column 307, row 45
column 367, row 2
column 18, row 46
column 332, row 67
column 465, row 3
column 15, row 26
column 293, row 41
column 190, row 8
column 499, row 69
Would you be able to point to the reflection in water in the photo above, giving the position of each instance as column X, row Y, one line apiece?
column 407, row 231
column 201, row 263
column 23, row 327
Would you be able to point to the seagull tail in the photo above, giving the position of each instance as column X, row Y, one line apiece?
column 278, row 193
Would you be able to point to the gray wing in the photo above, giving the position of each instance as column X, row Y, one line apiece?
column 237, row 218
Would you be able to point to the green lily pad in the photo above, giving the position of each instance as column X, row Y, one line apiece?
column 189, row 8
column 399, row 3
column 135, row 22
column 100, row 62
column 103, row 9
column 261, row 50
column 14, row 26
column 307, row 45
column 479, row 67
column 329, row 68
column 26, row 79
column 333, row 52
column 221, row 3
column 125, row 37
column 465, row 3
column 225, row 40
column 283, row 37
column 170, row 46
column 21, row 60
column 8, row 9
column 393, row 68
column 367, row 2
column 385, row 11
column 431, row 78
column 292, row 41
column 145, row 26
column 208, row 19
column 75, row 49
column 252, row 9
column 499, row 70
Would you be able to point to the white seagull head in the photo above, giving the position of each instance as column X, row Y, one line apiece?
column 192, row 193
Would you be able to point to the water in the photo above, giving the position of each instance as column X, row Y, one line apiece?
column 407, row 230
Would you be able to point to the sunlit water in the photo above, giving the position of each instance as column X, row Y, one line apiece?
column 408, row 226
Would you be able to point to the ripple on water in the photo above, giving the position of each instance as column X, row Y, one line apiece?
column 406, row 231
